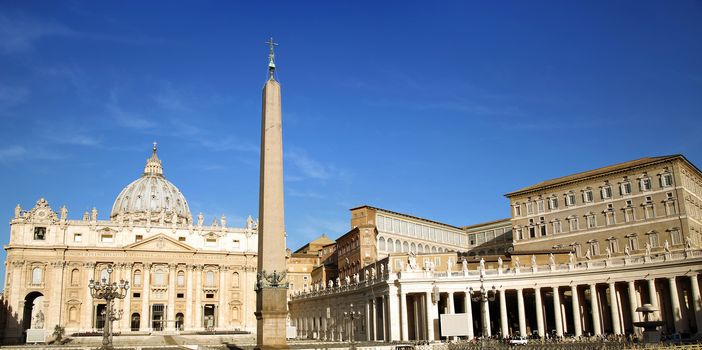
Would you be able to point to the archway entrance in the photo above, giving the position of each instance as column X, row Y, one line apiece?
column 179, row 321
column 33, row 313
column 209, row 316
column 135, row 322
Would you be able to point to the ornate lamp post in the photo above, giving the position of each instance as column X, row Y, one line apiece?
column 353, row 316
column 108, row 291
column 483, row 296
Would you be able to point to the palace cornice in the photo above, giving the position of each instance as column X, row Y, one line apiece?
column 565, row 183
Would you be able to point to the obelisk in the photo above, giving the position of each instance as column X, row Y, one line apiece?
column 271, row 285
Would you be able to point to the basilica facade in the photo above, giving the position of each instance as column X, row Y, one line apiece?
column 184, row 274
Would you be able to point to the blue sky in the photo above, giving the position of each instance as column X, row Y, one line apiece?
column 435, row 109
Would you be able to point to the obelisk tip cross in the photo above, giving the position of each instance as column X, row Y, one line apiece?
column 271, row 57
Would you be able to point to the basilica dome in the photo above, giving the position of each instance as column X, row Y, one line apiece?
column 151, row 198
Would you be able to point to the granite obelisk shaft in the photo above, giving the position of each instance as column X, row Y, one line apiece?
column 271, row 294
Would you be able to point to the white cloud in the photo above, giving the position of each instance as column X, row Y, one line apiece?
column 308, row 166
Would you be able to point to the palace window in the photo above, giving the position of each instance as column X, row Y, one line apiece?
column 675, row 237
column 181, row 278
column 210, row 242
column 645, row 184
column 553, row 203
column 39, row 233
column 577, row 249
column 587, row 196
column 381, row 244
column 613, row 245
column 104, row 275
column 137, row 278
column 570, row 199
column 540, row 206
column 574, row 226
column 633, row 242
column 77, row 237
column 139, row 238
column 542, row 228
column 532, row 232
column 591, row 221
column 666, row 180
column 653, row 239
column 181, row 239
column 556, row 227
column 530, row 208
column 606, row 192
column 75, row 277
column 629, row 214
column 625, row 188
column 209, row 278
column 106, row 238
column 594, row 248
column 517, row 210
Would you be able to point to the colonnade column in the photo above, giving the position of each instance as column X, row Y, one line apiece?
column 578, row 329
column 430, row 316
column 614, row 308
column 127, row 305
column 368, row 322
column 145, row 324
column 384, row 317
column 469, row 315
column 520, row 311
column 485, row 316
column 393, row 316
column 675, row 305
column 404, row 318
column 633, row 304
column 374, row 319
column 539, row 311
column 189, row 298
column 170, row 311
column 696, row 302
column 653, row 296
column 557, row 311
column 595, row 305
column 503, row 314
column 87, row 320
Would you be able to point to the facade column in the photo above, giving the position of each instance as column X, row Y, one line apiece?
column 222, row 305
column 383, row 317
column 198, row 297
column 368, row 322
column 577, row 325
column 596, row 328
column 374, row 319
column 145, row 312
column 557, row 311
column 127, row 305
column 404, row 318
column 170, row 311
column 56, row 304
column 503, row 314
column 469, row 314
column 430, row 311
column 539, row 312
column 696, row 302
column 87, row 321
column 675, row 305
column 520, row 311
column 393, row 317
column 189, row 298
column 614, row 309
column 633, row 305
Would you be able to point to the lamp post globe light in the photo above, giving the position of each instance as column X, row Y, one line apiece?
column 352, row 316
column 103, row 289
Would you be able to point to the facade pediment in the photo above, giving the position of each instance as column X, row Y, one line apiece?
column 162, row 243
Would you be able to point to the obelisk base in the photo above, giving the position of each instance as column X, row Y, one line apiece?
column 271, row 321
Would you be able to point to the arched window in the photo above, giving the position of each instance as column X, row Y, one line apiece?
column 75, row 277
column 160, row 278
column 391, row 245
column 433, row 249
column 421, row 248
column 235, row 280
column 209, row 278
column 381, row 244
column 37, row 275
column 413, row 248
column 235, row 313
column 398, row 246
column 137, row 278
column 181, row 278
column 405, row 247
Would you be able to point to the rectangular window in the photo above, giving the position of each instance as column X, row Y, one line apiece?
column 587, row 196
column 107, row 238
column 675, row 237
column 556, row 227
column 543, row 230
column 606, row 192
column 136, row 295
column 181, row 239
column 437, row 261
column 653, row 240
column 180, row 295
column 39, row 233
column 139, row 238
column 532, row 232
column 395, row 225
column 574, row 224
column 570, row 199
column 403, row 227
column 540, row 206
column 625, row 188
column 553, row 203
column 517, row 210
column 645, row 184
column 236, row 243
column 633, row 243
column 629, row 215
column 591, row 221
column 77, row 237
column 530, row 208
column 594, row 249
column 667, row 180
column 380, row 223
column 613, row 246
column 211, row 242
